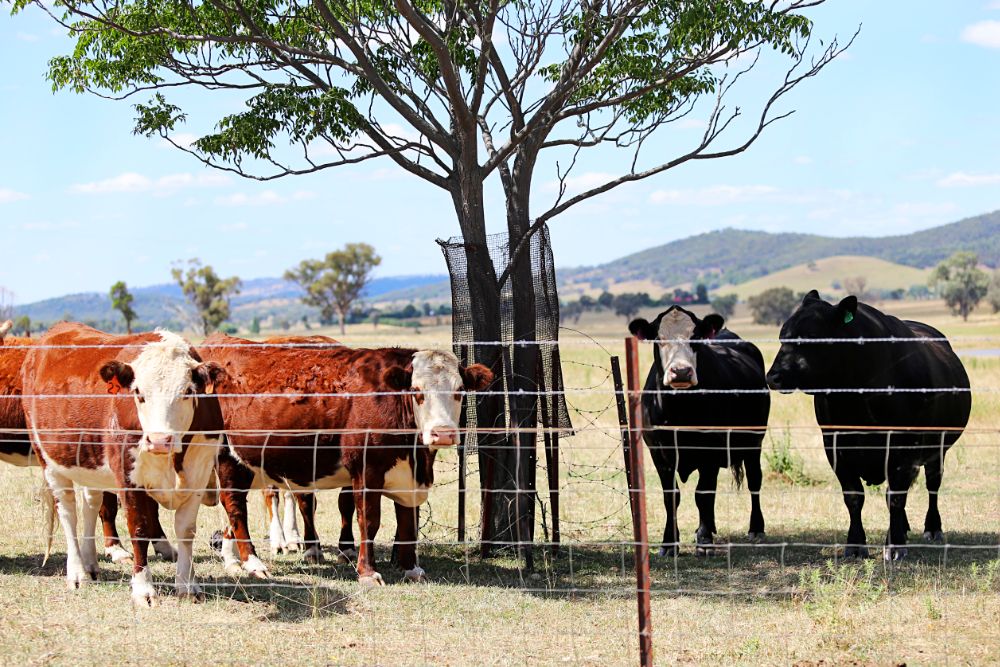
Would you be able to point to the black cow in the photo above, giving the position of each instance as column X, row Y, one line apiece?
column 731, row 425
column 876, row 435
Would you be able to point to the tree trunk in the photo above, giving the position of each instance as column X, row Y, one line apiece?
column 342, row 314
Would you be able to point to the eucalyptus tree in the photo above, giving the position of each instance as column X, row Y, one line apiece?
column 453, row 92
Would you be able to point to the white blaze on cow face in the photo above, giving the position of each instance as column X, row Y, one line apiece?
column 437, row 397
column 164, row 392
column 680, row 363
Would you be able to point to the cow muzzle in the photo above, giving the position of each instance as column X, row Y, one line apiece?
column 159, row 443
column 681, row 377
column 441, row 436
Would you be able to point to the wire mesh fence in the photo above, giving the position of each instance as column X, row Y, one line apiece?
column 774, row 598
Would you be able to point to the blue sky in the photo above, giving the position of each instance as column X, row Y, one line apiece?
column 900, row 134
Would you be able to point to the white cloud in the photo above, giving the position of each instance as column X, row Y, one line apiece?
column 691, row 124
column 131, row 182
column 265, row 198
column 581, row 182
column 802, row 159
column 49, row 226
column 27, row 37
column 983, row 33
column 993, row 5
column 8, row 196
column 962, row 179
column 182, row 139
column 714, row 195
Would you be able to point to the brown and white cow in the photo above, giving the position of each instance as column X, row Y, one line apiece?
column 15, row 449
column 369, row 419
column 155, row 438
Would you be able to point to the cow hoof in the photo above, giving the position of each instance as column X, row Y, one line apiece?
column 77, row 580
column 165, row 550
column 293, row 547
column 855, row 551
column 347, row 556
column 756, row 538
column 371, row 581
column 894, row 554
column 313, row 555
column 667, row 552
column 143, row 591
column 936, row 536
column 415, row 576
column 704, row 550
column 118, row 555
column 193, row 593
column 256, row 568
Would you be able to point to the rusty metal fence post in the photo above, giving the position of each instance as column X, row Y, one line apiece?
column 631, row 428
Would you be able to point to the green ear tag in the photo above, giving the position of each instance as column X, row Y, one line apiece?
column 848, row 317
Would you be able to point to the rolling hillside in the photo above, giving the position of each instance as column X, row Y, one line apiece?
column 823, row 274
column 732, row 256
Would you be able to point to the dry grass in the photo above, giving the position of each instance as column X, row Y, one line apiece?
column 782, row 602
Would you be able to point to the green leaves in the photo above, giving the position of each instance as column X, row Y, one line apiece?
column 334, row 283
column 207, row 292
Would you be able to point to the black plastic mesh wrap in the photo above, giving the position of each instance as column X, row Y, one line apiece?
column 552, row 412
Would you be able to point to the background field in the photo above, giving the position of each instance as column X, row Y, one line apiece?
column 790, row 600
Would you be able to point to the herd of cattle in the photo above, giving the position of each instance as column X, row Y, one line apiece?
column 147, row 420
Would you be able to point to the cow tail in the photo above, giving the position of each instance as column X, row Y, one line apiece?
column 48, row 518
column 737, row 469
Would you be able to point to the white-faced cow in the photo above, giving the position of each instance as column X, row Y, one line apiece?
column 349, row 420
column 876, row 434
column 154, row 438
column 701, row 430
column 15, row 448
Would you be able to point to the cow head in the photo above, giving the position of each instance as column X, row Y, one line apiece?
column 808, row 366
column 437, row 382
column 673, row 330
column 164, row 381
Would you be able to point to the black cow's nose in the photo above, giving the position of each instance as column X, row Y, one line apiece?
column 682, row 372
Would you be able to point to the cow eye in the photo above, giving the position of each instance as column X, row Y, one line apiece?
column 139, row 397
column 418, row 395
column 190, row 392
column 458, row 396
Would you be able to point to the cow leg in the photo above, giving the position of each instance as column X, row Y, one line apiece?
column 238, row 552
column 307, row 505
column 932, row 523
column 289, row 522
column 139, row 512
column 276, row 535
column 112, row 543
column 704, row 498
column 393, row 556
column 65, row 497
column 88, row 544
column 161, row 545
column 369, row 505
column 345, row 503
column 671, row 500
column 754, row 478
column 899, row 480
column 185, row 521
column 854, row 498
column 405, row 544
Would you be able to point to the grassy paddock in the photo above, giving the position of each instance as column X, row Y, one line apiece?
column 790, row 600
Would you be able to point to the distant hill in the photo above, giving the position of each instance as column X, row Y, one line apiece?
column 733, row 256
column 730, row 260
column 164, row 305
column 828, row 273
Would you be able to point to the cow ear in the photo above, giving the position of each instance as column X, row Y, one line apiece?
column 397, row 378
column 117, row 375
column 642, row 329
column 476, row 377
column 712, row 325
column 811, row 294
column 207, row 375
column 847, row 309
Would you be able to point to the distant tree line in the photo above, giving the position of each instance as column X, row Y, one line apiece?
column 628, row 304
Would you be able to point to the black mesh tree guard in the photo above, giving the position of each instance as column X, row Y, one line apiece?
column 507, row 450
